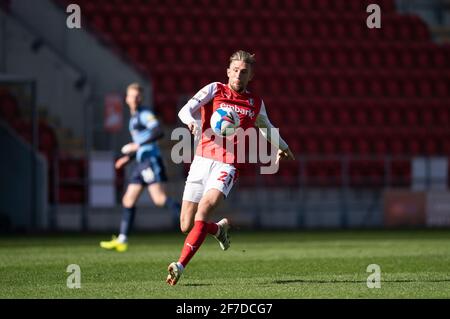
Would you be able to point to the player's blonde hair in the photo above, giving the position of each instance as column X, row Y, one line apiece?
column 135, row 86
column 242, row 55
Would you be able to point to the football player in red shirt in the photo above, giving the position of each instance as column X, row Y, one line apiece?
column 213, row 170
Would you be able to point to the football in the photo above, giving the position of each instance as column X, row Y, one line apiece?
column 224, row 121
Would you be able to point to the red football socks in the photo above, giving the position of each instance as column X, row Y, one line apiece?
column 195, row 239
column 212, row 228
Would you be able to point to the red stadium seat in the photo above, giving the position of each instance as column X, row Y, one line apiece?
column 360, row 88
column 431, row 147
column 152, row 26
column 439, row 59
column 327, row 117
column 326, row 87
column 397, row 147
column 394, row 117
column 392, row 87
column 400, row 173
column 409, row 88
column 309, row 117
column 442, row 88
column 344, row 118
column 134, row 53
column 376, row 88
column 414, row 147
column 375, row 58
column 116, row 24
column 443, row 117
column 99, row 23
column 412, row 118
column 380, row 146
column 134, row 24
column 9, row 109
column 390, row 59
column 426, row 88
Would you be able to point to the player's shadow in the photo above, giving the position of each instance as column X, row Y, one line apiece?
column 197, row 285
column 300, row 281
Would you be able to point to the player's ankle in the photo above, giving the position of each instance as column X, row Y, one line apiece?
column 122, row 238
column 180, row 266
column 218, row 230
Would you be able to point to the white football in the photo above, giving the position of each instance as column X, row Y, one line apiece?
column 224, row 121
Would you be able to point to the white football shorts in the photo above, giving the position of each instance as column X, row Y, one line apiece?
column 205, row 174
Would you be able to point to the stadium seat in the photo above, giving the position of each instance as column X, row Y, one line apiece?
column 9, row 109
column 380, row 147
column 134, row 24
column 400, row 173
column 412, row 118
column 116, row 24
column 397, row 147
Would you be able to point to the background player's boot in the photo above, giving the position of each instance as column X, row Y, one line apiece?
column 175, row 271
column 223, row 238
column 114, row 244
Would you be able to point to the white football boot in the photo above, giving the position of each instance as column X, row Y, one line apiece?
column 174, row 275
column 222, row 237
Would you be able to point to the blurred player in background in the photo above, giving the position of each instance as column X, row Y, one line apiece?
column 150, row 172
column 211, row 175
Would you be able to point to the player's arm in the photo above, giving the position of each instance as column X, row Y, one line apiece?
column 154, row 127
column 272, row 135
column 123, row 160
column 155, row 133
column 191, row 108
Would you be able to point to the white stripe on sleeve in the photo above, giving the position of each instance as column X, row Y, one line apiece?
column 190, row 111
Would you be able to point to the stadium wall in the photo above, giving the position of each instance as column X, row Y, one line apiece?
column 19, row 198
column 26, row 56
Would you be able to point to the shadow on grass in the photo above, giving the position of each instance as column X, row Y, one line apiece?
column 197, row 285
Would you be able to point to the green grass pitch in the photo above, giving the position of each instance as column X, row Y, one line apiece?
column 320, row 264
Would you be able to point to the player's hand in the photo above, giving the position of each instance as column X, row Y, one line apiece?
column 122, row 162
column 130, row 148
column 193, row 128
column 286, row 154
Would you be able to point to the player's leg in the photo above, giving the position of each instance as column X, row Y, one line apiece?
column 192, row 196
column 160, row 198
column 157, row 188
column 197, row 234
column 201, row 227
column 128, row 212
column 223, row 178
column 188, row 210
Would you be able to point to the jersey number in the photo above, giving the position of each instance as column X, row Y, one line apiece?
column 225, row 178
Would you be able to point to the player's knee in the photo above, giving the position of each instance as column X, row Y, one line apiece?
column 205, row 207
column 186, row 223
column 159, row 197
column 127, row 202
column 159, row 201
column 185, row 226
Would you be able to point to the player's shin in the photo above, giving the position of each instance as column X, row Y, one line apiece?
column 175, row 208
column 126, row 222
column 212, row 228
column 193, row 241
